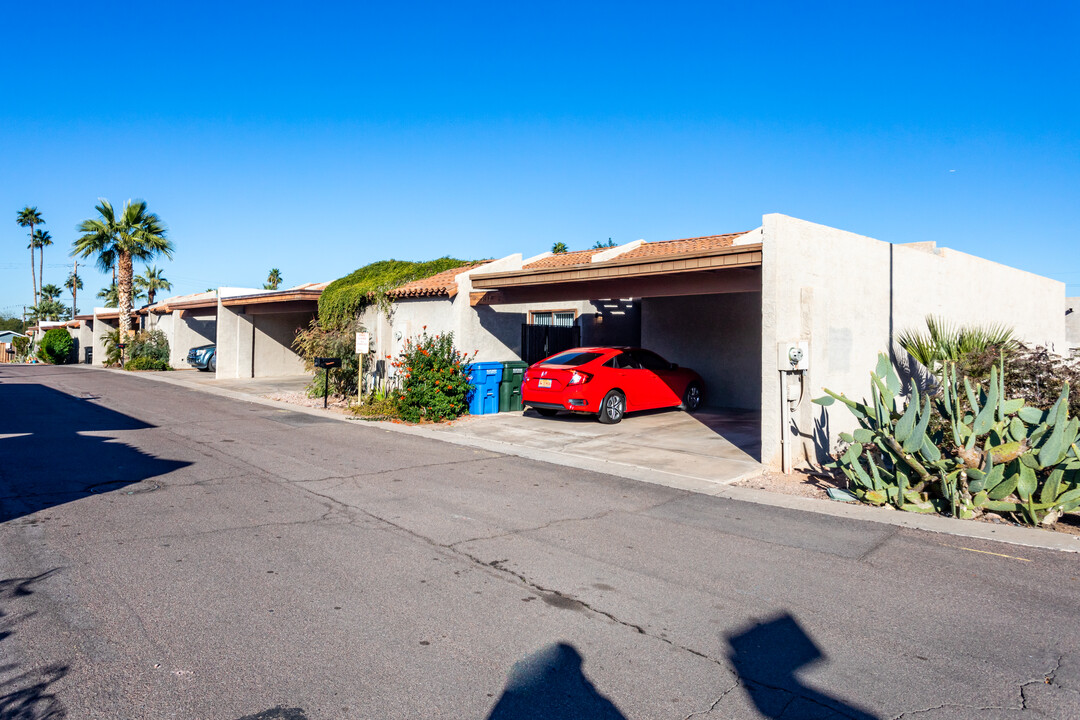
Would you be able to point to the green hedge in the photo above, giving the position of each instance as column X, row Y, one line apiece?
column 56, row 346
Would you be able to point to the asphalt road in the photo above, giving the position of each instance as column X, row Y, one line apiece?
column 166, row 553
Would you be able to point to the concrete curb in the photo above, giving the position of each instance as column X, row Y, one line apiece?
column 1015, row 535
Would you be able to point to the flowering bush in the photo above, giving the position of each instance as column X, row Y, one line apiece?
column 434, row 384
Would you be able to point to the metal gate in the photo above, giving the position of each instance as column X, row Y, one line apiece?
column 541, row 341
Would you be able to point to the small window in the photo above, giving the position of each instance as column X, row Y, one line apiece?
column 573, row 359
column 555, row 318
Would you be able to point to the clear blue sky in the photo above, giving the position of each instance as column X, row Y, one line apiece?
column 316, row 137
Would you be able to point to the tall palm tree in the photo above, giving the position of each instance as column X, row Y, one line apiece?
column 136, row 234
column 74, row 284
column 29, row 217
column 150, row 282
column 41, row 240
column 50, row 292
column 273, row 281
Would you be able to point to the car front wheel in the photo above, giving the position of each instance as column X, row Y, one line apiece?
column 211, row 366
column 613, row 407
column 693, row 397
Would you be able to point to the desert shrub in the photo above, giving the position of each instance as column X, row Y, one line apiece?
column 318, row 340
column 111, row 342
column 149, row 345
column 434, row 384
column 22, row 346
column 147, row 363
column 56, row 346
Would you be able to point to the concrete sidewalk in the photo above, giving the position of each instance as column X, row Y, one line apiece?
column 488, row 435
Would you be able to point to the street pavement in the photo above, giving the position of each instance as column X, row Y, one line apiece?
column 167, row 553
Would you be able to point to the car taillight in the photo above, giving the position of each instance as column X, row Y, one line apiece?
column 579, row 378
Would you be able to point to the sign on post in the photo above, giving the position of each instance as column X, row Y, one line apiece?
column 363, row 342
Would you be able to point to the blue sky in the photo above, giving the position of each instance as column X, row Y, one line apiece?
column 316, row 138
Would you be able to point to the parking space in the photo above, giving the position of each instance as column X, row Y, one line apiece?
column 717, row 445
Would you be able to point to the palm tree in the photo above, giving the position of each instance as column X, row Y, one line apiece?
column 41, row 240
column 273, row 281
column 136, row 234
column 29, row 217
column 109, row 296
column 48, row 309
column 74, row 284
column 559, row 247
column 150, row 282
column 601, row 245
column 50, row 292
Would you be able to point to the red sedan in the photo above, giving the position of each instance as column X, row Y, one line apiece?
column 609, row 382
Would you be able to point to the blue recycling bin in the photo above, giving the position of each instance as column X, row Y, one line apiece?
column 485, row 378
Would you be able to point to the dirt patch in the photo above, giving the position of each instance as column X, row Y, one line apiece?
column 803, row 483
column 337, row 403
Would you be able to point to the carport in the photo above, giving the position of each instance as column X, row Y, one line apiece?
column 699, row 299
column 187, row 320
column 255, row 331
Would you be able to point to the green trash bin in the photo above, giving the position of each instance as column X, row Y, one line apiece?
column 510, row 387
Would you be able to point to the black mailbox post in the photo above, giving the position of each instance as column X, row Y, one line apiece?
column 326, row 363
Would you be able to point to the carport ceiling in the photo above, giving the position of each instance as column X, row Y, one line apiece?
column 723, row 270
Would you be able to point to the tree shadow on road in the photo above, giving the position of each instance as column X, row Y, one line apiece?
column 767, row 656
column 48, row 458
column 25, row 694
column 550, row 684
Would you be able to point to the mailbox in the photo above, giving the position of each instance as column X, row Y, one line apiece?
column 327, row 363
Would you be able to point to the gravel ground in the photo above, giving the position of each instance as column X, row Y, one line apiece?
column 336, row 403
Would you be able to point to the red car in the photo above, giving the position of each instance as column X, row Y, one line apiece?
column 609, row 382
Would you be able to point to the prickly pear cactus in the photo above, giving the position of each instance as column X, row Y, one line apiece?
column 961, row 454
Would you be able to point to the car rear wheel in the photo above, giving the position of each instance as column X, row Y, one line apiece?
column 612, row 408
column 693, row 397
column 547, row 412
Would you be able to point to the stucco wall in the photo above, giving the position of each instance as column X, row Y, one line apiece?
column 1072, row 322
column 274, row 335
column 234, row 343
column 719, row 336
column 848, row 295
column 101, row 328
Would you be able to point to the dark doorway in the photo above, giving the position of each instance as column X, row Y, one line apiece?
column 541, row 341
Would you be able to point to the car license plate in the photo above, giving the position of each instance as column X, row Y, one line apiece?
column 544, row 383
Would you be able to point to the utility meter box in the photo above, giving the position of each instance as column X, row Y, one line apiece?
column 793, row 356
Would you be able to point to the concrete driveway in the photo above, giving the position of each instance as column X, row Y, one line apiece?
column 715, row 445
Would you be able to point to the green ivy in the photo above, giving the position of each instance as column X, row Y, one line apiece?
column 345, row 298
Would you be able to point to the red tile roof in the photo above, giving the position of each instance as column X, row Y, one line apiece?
column 679, row 247
column 444, row 283
column 578, row 257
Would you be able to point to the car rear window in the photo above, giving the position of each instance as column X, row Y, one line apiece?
column 572, row 358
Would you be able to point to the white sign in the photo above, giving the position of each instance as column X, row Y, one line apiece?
column 363, row 342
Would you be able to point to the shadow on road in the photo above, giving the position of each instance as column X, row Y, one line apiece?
column 48, row 462
column 25, row 695
column 550, row 684
column 767, row 656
